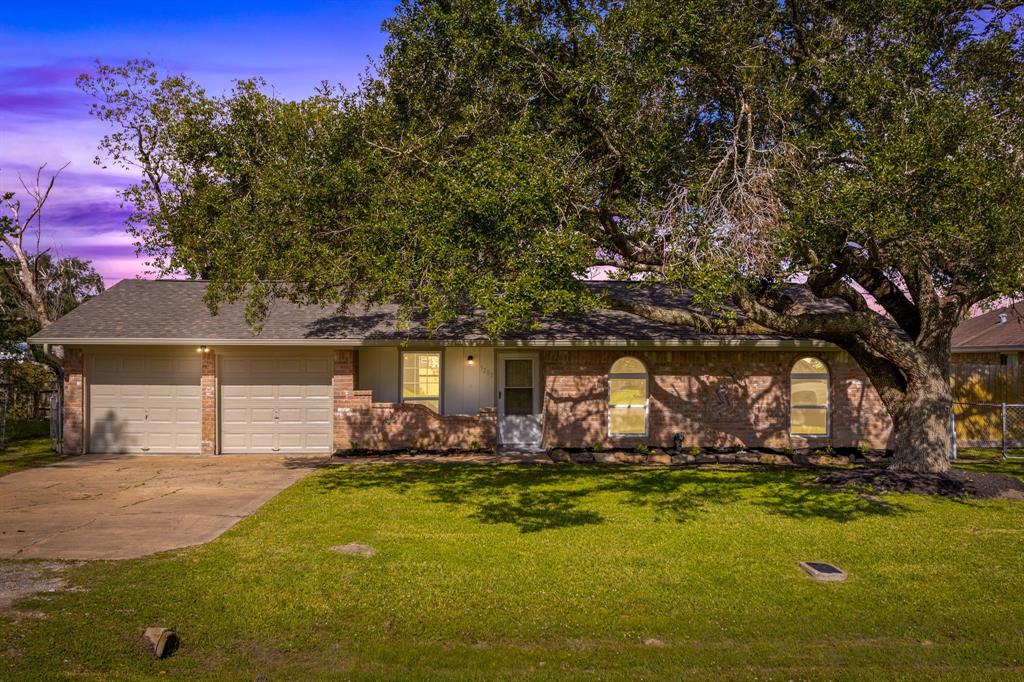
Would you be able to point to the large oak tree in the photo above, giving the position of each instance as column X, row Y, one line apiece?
column 871, row 150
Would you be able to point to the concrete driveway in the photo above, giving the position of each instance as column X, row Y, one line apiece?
column 124, row 506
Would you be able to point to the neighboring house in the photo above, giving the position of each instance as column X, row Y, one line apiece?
column 996, row 337
column 987, row 371
column 150, row 370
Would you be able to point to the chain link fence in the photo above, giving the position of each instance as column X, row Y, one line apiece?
column 991, row 426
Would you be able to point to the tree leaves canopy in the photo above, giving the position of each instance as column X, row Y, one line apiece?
column 499, row 150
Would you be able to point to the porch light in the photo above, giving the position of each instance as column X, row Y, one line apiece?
column 470, row 360
column 203, row 349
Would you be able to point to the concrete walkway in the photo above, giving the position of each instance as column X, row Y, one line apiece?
column 125, row 506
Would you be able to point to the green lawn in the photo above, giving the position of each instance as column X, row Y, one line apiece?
column 26, row 452
column 556, row 572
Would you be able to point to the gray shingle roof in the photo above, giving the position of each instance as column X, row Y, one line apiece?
column 174, row 311
column 986, row 331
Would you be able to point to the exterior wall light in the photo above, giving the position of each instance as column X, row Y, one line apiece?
column 203, row 349
column 470, row 361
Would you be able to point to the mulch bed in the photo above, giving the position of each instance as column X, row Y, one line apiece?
column 954, row 483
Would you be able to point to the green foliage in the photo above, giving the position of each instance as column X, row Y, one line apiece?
column 22, row 429
column 63, row 284
column 502, row 148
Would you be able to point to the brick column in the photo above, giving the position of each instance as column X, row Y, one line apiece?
column 345, row 402
column 208, row 388
column 74, row 402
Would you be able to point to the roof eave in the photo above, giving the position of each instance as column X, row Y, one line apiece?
column 513, row 343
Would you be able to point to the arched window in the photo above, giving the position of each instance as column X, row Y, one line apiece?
column 809, row 392
column 627, row 398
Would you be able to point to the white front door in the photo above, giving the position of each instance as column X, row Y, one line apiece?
column 519, row 412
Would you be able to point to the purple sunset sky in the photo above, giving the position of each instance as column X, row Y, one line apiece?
column 44, row 118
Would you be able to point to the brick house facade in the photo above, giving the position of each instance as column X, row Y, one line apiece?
column 145, row 372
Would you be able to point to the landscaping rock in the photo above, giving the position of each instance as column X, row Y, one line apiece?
column 629, row 458
column 354, row 548
column 659, row 459
column 727, row 458
column 619, row 457
column 815, row 459
column 683, row 459
column 584, row 457
column 706, row 459
column 774, row 460
column 559, row 455
column 745, row 457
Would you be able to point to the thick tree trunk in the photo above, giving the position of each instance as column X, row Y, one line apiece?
column 921, row 426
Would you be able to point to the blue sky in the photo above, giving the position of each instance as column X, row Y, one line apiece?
column 44, row 119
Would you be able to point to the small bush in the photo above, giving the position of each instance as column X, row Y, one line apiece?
column 643, row 449
column 19, row 429
column 598, row 447
column 695, row 450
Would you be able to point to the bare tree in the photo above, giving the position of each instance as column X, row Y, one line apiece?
column 35, row 287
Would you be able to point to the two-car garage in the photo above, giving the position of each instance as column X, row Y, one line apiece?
column 149, row 400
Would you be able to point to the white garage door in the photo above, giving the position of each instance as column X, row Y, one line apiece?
column 144, row 402
column 275, row 403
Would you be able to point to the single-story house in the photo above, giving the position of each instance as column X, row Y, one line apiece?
column 149, row 369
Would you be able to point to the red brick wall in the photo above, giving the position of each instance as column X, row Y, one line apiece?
column 74, row 401
column 208, row 392
column 361, row 423
column 714, row 398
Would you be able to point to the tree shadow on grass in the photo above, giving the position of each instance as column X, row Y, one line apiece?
column 540, row 497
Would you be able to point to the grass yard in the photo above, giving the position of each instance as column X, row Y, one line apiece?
column 26, row 452
column 555, row 572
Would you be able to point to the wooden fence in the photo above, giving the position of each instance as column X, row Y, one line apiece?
column 979, row 390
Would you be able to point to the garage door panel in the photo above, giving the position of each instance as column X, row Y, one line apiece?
column 228, row 391
column 188, row 415
column 261, row 415
column 157, row 415
column 319, row 415
column 144, row 402
column 291, row 415
column 267, row 403
column 319, row 440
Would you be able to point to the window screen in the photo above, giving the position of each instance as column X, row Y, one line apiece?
column 421, row 379
column 627, row 398
column 809, row 398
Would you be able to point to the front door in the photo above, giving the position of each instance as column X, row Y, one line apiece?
column 519, row 416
